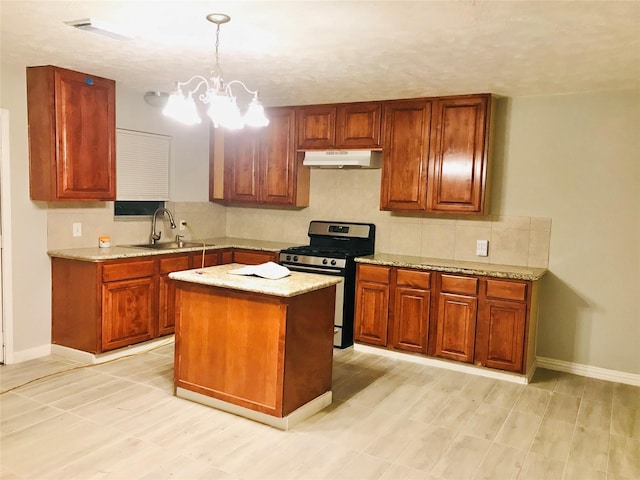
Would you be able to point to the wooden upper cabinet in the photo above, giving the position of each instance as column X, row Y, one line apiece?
column 241, row 154
column 458, row 160
column 435, row 154
column 72, row 127
column 278, row 162
column 317, row 126
column 405, row 155
column 259, row 166
column 341, row 126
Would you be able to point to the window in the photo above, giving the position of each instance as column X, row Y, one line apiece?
column 136, row 208
column 142, row 166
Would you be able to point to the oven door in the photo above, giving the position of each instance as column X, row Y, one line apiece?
column 339, row 306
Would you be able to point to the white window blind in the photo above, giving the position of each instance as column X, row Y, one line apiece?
column 142, row 165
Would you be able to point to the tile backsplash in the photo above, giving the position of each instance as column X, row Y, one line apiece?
column 347, row 195
column 204, row 220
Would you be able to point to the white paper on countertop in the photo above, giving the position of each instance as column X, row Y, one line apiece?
column 269, row 270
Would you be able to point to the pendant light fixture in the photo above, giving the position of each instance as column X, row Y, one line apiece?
column 223, row 109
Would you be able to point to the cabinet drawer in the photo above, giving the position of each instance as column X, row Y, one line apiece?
column 175, row 264
column 457, row 284
column 414, row 278
column 507, row 290
column 373, row 273
column 123, row 271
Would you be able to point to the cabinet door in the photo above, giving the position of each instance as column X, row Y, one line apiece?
column 500, row 336
column 128, row 312
column 372, row 313
column 458, row 163
column 241, row 157
column 405, row 155
column 167, row 291
column 456, row 327
column 71, row 135
column 278, row 167
column 411, row 319
column 358, row 125
column 316, row 126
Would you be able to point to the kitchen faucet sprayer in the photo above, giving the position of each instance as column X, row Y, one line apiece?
column 156, row 236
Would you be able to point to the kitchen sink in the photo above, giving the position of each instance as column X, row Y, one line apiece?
column 167, row 245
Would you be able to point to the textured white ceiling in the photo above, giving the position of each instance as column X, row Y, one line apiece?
column 299, row 52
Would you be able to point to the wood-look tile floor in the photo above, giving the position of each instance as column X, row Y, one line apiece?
column 390, row 420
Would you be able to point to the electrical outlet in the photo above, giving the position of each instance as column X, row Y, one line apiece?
column 77, row 229
column 183, row 224
column 482, row 248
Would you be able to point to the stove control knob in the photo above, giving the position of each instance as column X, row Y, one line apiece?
column 324, row 261
column 295, row 258
column 333, row 262
column 288, row 258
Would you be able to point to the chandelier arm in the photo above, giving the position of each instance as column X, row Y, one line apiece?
column 228, row 87
column 202, row 81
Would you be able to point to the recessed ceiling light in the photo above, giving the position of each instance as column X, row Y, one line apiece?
column 99, row 28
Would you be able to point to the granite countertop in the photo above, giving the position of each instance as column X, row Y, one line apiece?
column 95, row 254
column 455, row 266
column 295, row 284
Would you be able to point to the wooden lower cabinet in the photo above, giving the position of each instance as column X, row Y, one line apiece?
column 101, row 306
column 466, row 318
column 167, row 289
column 128, row 312
column 502, row 321
column 372, row 304
column 411, row 307
column 456, row 327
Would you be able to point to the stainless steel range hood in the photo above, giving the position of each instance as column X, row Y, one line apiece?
column 343, row 159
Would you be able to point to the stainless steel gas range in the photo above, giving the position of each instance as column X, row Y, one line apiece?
column 332, row 250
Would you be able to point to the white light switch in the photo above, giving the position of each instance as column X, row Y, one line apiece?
column 77, row 229
column 482, row 248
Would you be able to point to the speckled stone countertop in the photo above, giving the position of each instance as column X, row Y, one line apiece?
column 295, row 284
column 123, row 251
column 455, row 266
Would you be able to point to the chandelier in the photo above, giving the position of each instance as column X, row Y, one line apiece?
column 223, row 109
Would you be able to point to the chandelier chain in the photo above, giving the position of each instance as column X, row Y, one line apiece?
column 217, row 45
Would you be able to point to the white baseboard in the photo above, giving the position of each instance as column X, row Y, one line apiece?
column 90, row 358
column 30, row 354
column 448, row 364
column 589, row 371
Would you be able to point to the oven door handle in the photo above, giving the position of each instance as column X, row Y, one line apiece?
column 325, row 271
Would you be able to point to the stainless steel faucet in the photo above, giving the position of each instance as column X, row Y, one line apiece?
column 156, row 236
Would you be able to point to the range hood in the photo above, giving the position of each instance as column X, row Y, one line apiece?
column 343, row 159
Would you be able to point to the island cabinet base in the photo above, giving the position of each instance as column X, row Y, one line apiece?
column 265, row 353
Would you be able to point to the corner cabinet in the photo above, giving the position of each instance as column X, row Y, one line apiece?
column 435, row 154
column 340, row 126
column 72, row 127
column 489, row 322
column 259, row 166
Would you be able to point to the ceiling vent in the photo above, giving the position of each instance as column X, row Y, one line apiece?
column 99, row 28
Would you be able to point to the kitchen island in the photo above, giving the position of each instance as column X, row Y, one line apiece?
column 255, row 347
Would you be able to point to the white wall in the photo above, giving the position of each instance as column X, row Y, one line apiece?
column 31, row 271
column 576, row 159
